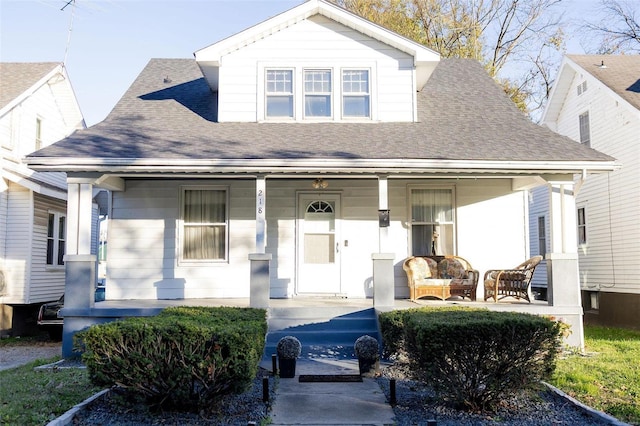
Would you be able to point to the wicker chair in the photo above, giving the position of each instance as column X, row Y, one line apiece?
column 501, row 283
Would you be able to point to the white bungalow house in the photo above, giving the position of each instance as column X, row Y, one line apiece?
column 596, row 102
column 308, row 156
column 37, row 108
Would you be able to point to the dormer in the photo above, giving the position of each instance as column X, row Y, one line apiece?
column 316, row 62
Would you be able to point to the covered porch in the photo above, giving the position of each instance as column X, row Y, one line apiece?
column 379, row 265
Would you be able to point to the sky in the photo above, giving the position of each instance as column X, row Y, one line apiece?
column 106, row 43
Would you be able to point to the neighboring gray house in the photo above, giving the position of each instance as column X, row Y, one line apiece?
column 37, row 108
column 265, row 168
column 596, row 102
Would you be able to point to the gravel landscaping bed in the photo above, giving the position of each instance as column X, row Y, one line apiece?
column 416, row 405
column 109, row 410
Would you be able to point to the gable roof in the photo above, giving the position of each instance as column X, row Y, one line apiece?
column 620, row 73
column 17, row 77
column 466, row 124
column 209, row 58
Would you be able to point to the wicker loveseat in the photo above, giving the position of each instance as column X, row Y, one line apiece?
column 501, row 283
column 440, row 276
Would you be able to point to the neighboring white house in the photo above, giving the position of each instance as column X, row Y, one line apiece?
column 268, row 167
column 596, row 102
column 37, row 108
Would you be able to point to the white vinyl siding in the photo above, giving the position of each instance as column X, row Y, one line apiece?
column 612, row 200
column 143, row 235
column 335, row 47
column 539, row 208
column 47, row 281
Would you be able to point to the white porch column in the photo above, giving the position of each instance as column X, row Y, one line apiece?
column 562, row 261
column 383, row 276
column 259, row 281
column 80, row 264
column 261, row 221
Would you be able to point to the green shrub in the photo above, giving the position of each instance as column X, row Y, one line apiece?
column 474, row 357
column 182, row 358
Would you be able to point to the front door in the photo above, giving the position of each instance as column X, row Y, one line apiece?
column 318, row 243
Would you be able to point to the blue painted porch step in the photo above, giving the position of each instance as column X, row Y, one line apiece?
column 324, row 332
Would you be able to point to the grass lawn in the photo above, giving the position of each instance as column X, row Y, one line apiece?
column 30, row 397
column 607, row 376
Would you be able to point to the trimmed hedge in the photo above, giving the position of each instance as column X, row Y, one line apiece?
column 474, row 357
column 182, row 358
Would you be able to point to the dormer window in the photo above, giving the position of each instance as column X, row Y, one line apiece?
column 317, row 93
column 279, row 93
column 355, row 93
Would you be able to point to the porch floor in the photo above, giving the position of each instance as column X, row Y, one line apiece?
column 537, row 306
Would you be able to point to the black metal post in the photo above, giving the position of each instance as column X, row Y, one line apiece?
column 265, row 389
column 392, row 391
column 274, row 365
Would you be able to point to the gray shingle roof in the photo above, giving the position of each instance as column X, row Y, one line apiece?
column 463, row 115
column 17, row 77
column 622, row 73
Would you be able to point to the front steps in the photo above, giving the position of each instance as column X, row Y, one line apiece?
column 325, row 332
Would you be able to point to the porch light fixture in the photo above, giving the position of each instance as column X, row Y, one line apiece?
column 319, row 183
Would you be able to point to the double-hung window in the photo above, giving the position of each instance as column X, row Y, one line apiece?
column 38, row 133
column 56, row 240
column 542, row 236
column 317, row 93
column 279, row 93
column 356, row 94
column 582, row 226
column 432, row 221
column 205, row 224
column 585, row 133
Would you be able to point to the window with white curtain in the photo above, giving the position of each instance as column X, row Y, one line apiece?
column 432, row 221
column 204, row 224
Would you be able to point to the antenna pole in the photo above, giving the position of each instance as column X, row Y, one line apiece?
column 73, row 10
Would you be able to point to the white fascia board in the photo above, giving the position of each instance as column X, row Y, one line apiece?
column 32, row 89
column 239, row 166
column 210, row 57
column 37, row 187
column 559, row 92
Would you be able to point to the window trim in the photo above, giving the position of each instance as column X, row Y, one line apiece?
column 58, row 236
column 38, row 133
column 331, row 93
column 291, row 94
column 584, row 130
column 344, row 94
column 581, row 213
column 181, row 225
column 454, row 220
column 542, row 236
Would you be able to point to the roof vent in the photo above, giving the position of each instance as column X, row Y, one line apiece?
column 167, row 79
column 602, row 65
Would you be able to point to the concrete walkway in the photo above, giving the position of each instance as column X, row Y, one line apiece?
column 335, row 403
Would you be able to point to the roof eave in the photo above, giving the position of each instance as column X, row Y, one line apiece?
column 315, row 166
